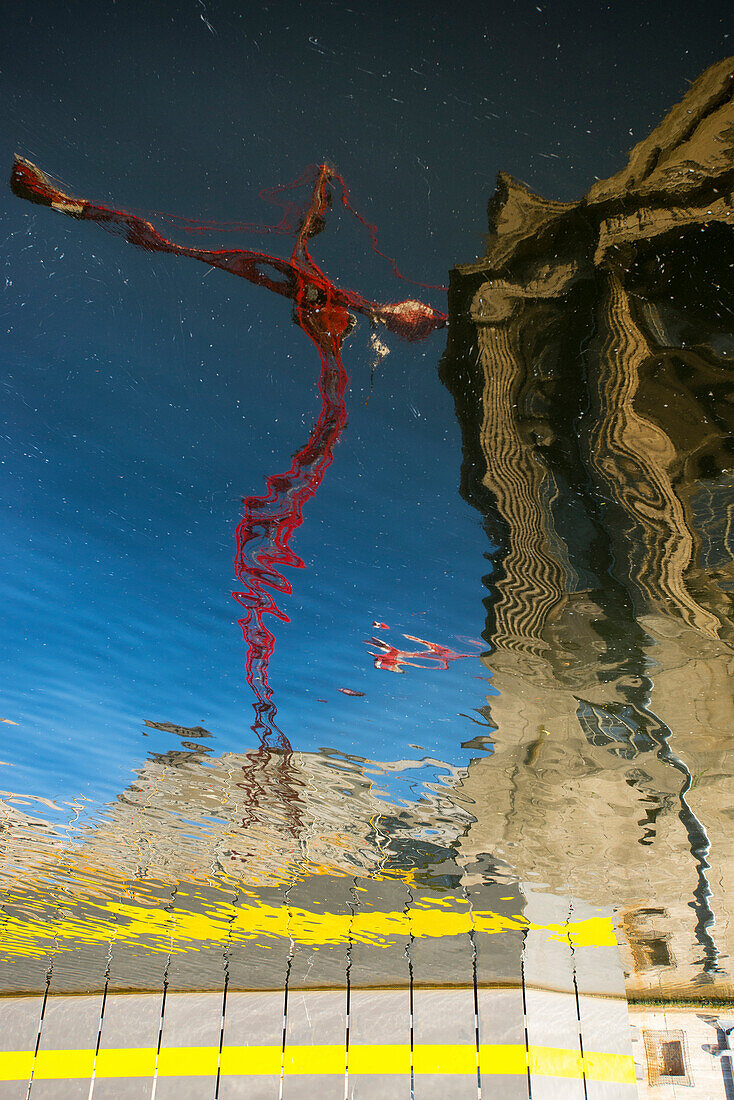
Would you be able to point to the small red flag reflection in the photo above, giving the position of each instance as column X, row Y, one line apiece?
column 390, row 659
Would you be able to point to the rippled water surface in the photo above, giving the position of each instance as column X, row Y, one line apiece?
column 476, row 673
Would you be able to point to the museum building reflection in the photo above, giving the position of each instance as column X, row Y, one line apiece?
column 589, row 358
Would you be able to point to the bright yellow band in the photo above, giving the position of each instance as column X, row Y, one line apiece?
column 183, row 930
column 458, row 1059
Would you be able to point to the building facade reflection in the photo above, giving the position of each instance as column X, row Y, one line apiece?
column 589, row 357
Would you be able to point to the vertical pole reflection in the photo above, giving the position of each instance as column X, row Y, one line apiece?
column 100, row 1024
column 475, row 984
column 699, row 845
column 525, row 1014
column 225, row 990
column 411, row 992
column 353, row 903
column 39, row 1034
column 576, row 999
column 635, row 728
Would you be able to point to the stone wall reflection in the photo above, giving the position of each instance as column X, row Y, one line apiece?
column 253, row 820
column 590, row 359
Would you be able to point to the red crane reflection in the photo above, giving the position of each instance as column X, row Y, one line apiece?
column 265, row 530
column 390, row 659
column 323, row 311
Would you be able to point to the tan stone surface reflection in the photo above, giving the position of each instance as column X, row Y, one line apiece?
column 590, row 359
column 266, row 819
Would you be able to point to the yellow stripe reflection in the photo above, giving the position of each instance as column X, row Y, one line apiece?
column 159, row 929
column 62, row 1065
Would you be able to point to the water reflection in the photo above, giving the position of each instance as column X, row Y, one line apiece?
column 322, row 311
column 590, row 367
column 188, row 815
column 186, row 859
column 588, row 359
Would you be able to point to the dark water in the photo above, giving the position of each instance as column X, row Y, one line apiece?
column 497, row 669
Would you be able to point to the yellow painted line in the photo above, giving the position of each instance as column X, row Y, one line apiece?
column 509, row 1060
column 15, row 1065
column 253, row 1061
column 130, row 1062
column 310, row 1060
column 188, row 1062
column 615, row 1068
column 458, row 1058
column 313, row 1061
column 160, row 929
column 555, row 1062
column 380, row 1059
column 62, row 1065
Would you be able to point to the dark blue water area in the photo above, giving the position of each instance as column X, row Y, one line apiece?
column 144, row 395
column 138, row 418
